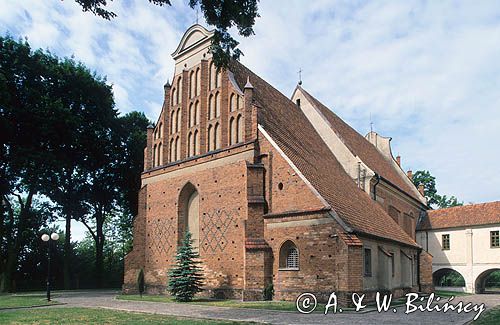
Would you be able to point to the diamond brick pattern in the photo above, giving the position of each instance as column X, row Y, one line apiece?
column 215, row 225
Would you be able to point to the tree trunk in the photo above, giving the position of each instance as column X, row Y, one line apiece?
column 67, row 254
column 99, row 247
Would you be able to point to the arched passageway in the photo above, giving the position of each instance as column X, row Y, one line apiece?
column 488, row 282
column 448, row 278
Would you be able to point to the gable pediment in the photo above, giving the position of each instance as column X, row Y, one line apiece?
column 195, row 36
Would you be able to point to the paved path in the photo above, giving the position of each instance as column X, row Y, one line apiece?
column 106, row 299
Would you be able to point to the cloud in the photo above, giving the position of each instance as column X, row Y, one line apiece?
column 427, row 72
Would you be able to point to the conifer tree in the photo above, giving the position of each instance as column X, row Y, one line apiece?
column 185, row 277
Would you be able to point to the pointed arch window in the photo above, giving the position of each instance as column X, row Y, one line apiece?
column 196, row 113
column 171, row 152
column 178, row 121
column 196, row 143
column 179, row 91
column 154, row 156
column 232, row 103
column 217, row 134
column 217, row 104
column 239, row 129
column 174, row 97
column 189, row 214
column 191, row 115
column 192, row 85
column 172, row 122
column 177, row 148
column 232, row 131
column 160, row 155
column 190, row 145
column 210, row 138
column 212, row 76
column 198, row 82
column 211, row 107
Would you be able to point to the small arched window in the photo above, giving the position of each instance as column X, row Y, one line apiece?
column 174, row 96
column 239, row 129
column 172, row 122
column 232, row 131
column 179, row 91
column 154, row 156
column 177, row 148
column 196, row 113
column 289, row 256
column 198, row 82
column 192, row 85
column 171, row 151
column 210, row 138
column 211, row 77
column 217, row 136
column 160, row 155
column 239, row 103
column 211, row 106
column 218, row 78
column 232, row 103
column 160, row 130
column 196, row 145
column 217, row 105
column 191, row 115
column 178, row 121
column 190, row 145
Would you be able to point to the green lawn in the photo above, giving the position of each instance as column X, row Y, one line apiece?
column 272, row 305
column 94, row 316
column 13, row 301
column 490, row 317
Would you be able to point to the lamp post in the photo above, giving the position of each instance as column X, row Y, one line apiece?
column 47, row 238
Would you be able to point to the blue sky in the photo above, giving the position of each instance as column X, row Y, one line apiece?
column 428, row 72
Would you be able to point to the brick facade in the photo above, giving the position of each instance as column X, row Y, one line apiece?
column 254, row 207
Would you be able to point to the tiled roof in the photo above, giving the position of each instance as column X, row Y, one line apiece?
column 296, row 136
column 462, row 216
column 362, row 148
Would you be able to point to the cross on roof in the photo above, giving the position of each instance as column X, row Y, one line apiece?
column 300, row 76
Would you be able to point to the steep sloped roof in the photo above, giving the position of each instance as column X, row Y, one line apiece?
column 362, row 148
column 295, row 135
column 462, row 216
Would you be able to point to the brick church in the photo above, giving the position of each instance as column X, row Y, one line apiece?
column 275, row 190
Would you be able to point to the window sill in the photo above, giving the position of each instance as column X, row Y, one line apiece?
column 289, row 269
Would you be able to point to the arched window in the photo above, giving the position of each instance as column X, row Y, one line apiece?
column 171, row 153
column 218, row 78
column 172, row 122
column 210, row 138
column 177, row 148
column 198, row 82
column 289, row 256
column 178, row 121
column 232, row 131
column 160, row 155
column 192, row 85
column 174, row 96
column 239, row 104
column 189, row 214
column 189, row 145
column 212, row 75
column 211, row 107
column 154, row 156
column 196, row 113
column 179, row 90
column 217, row 136
column 191, row 115
column 232, row 103
column 160, row 130
column 196, row 143
column 239, row 129
column 217, row 104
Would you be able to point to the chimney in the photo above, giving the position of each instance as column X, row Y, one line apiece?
column 421, row 189
column 398, row 160
column 409, row 173
column 148, row 151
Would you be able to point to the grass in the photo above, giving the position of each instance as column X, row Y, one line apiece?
column 490, row 317
column 95, row 316
column 271, row 305
column 15, row 301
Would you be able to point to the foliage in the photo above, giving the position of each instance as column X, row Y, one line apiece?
column 185, row 278
column 268, row 292
column 64, row 152
column 433, row 198
column 223, row 14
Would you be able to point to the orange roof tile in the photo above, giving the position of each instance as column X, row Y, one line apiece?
column 462, row 216
column 296, row 136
